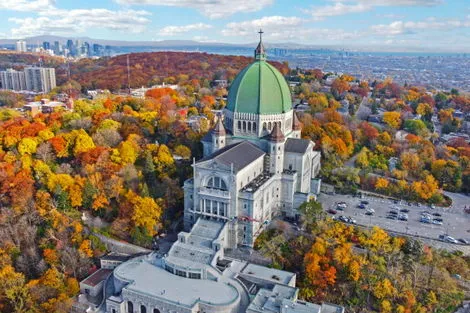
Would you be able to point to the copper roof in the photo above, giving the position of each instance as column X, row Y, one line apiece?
column 276, row 134
column 296, row 125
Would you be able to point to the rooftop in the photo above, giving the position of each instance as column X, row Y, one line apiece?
column 239, row 154
column 270, row 274
column 143, row 277
column 257, row 182
column 296, row 145
column 97, row 277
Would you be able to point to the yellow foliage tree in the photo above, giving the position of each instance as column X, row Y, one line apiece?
column 27, row 146
column 383, row 289
column 381, row 183
column 83, row 142
column 146, row 212
column 392, row 119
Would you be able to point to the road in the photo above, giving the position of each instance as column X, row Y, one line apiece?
column 456, row 223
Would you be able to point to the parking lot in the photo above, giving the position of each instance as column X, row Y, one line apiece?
column 455, row 222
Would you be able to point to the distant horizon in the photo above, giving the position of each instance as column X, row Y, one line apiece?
column 30, row 41
column 379, row 25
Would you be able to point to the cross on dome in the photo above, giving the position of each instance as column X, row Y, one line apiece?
column 260, row 53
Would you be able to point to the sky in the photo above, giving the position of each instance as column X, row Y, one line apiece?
column 432, row 25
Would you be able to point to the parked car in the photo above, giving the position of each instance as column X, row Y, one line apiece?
column 432, row 206
column 437, row 214
column 464, row 241
column 425, row 220
column 370, row 210
column 361, row 206
column 342, row 204
column 393, row 212
column 448, row 238
column 365, row 202
column 404, row 210
column 438, row 219
column 332, row 211
column 403, row 217
column 346, row 219
column 392, row 217
column 436, row 222
column 369, row 213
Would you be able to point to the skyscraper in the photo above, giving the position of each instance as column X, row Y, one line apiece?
column 21, row 46
column 46, row 45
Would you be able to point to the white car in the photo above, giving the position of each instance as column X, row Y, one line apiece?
column 448, row 239
column 370, row 210
column 436, row 222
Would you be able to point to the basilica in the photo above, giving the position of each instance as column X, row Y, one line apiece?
column 255, row 164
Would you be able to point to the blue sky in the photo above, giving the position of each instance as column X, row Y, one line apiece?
column 433, row 25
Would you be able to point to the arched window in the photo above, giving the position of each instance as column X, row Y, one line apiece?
column 130, row 307
column 254, row 126
column 156, row 311
column 239, row 125
column 244, row 126
column 249, row 126
column 143, row 309
column 216, row 183
column 264, row 126
column 269, row 126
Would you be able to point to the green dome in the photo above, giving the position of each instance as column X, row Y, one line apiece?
column 259, row 89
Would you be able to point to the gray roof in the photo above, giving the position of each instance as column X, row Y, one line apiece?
column 152, row 280
column 239, row 154
column 296, row 145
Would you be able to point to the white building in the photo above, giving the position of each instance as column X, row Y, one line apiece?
column 40, row 79
column 21, row 46
column 255, row 164
column 194, row 277
column 13, row 80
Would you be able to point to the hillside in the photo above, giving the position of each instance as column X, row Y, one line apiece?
column 145, row 68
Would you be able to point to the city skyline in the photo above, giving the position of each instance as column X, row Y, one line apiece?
column 433, row 25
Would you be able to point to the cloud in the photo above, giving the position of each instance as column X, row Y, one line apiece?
column 342, row 7
column 425, row 3
column 402, row 28
column 27, row 5
column 281, row 28
column 338, row 8
column 57, row 21
column 174, row 30
column 210, row 8
column 271, row 24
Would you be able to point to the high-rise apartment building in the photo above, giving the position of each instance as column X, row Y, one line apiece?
column 21, row 46
column 40, row 79
column 13, row 80
column 37, row 79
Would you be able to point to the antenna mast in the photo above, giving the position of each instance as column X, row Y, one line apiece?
column 128, row 76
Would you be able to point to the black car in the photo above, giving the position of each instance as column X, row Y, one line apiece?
column 392, row 217
column 392, row 212
column 404, row 210
column 395, row 201
column 463, row 241
column 438, row 219
column 437, row 214
column 365, row 202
